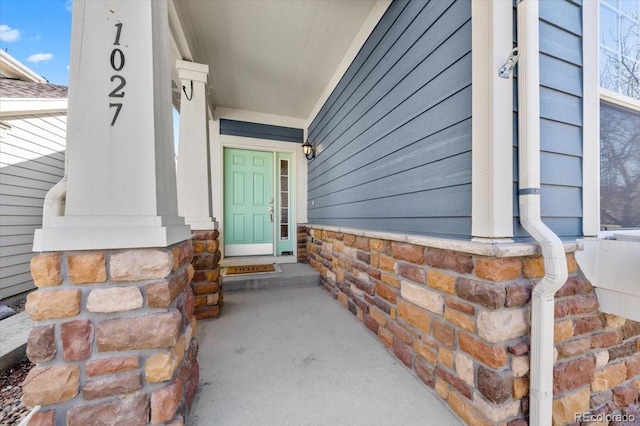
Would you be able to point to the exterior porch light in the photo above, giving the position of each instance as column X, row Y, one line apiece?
column 308, row 150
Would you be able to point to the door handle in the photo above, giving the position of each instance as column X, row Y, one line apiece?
column 270, row 214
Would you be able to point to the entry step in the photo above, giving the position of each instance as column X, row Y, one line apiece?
column 292, row 275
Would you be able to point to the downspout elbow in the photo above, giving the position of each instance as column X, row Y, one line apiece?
column 54, row 202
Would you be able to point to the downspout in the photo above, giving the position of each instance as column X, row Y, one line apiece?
column 555, row 266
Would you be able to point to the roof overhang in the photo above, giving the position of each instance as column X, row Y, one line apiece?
column 23, row 106
column 274, row 58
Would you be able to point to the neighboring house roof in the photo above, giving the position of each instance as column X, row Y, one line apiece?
column 12, row 68
column 10, row 88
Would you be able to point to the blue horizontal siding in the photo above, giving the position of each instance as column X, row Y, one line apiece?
column 261, row 131
column 393, row 141
column 560, row 120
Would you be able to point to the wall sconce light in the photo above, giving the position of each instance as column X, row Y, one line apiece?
column 308, row 150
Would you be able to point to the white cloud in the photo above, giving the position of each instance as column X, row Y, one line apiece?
column 69, row 5
column 8, row 34
column 35, row 38
column 40, row 57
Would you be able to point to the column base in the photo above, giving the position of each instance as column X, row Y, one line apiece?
column 95, row 233
column 201, row 223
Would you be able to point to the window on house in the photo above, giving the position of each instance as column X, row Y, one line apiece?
column 619, row 114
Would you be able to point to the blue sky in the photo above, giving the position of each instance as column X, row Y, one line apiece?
column 38, row 34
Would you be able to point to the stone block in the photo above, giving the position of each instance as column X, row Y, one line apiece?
column 409, row 252
column 385, row 336
column 182, row 254
column 112, row 385
column 402, row 351
column 454, row 381
column 87, row 268
column 387, row 263
column 362, row 243
column 631, row 329
column 43, row 418
column 142, row 264
column 42, row 305
column 633, row 366
column 41, row 344
column 614, row 321
column 609, row 377
column 130, row 411
column 445, row 357
column 213, row 246
column 466, row 410
column 199, row 246
column 50, row 385
column 577, row 305
column 625, row 395
column 46, row 270
column 442, row 388
column 566, row 407
column 520, row 348
column 520, row 387
column 415, row 316
column 496, row 413
column 563, row 330
column 427, row 351
column 573, row 374
column 574, row 286
column 622, row 351
column 114, row 299
column 391, row 280
column 386, row 292
column 164, row 402
column 425, row 372
column 602, row 359
column 520, row 365
column 489, row 295
column 606, row 339
column 213, row 299
column 463, row 307
column 533, row 267
column 588, row 324
column 498, row 269
column 376, row 245
column 412, row 272
column 401, row 333
column 378, row 316
column 494, row 385
column 444, row 333
column 161, row 367
column 453, row 261
column 77, row 338
column 423, row 297
column 465, row 368
column 207, row 312
column 573, row 347
column 163, row 293
column 99, row 367
column 518, row 293
column 500, row 326
column 459, row 319
column 154, row 331
column 212, row 276
column 441, row 281
column 493, row 356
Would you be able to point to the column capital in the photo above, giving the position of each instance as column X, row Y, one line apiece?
column 192, row 70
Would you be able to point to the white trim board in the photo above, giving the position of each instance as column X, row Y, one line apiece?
column 492, row 124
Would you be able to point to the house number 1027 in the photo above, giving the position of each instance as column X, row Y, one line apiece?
column 117, row 63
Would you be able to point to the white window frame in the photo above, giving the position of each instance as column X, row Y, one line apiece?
column 592, row 95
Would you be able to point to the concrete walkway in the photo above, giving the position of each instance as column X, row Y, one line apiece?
column 294, row 357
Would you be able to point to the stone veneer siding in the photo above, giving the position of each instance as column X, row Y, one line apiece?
column 113, row 340
column 207, row 282
column 460, row 322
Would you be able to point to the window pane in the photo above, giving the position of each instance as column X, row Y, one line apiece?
column 619, row 167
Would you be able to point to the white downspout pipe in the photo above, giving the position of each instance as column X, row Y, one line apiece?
column 555, row 266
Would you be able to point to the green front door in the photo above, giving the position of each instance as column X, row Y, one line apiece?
column 248, row 202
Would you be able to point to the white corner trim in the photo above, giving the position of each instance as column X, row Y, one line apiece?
column 22, row 106
column 492, row 128
column 376, row 13
column 590, row 121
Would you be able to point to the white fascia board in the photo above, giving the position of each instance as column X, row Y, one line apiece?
column 22, row 106
column 376, row 13
column 591, row 121
column 178, row 38
column 492, row 124
column 260, row 118
column 18, row 69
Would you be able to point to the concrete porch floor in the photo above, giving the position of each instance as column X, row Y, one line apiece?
column 293, row 356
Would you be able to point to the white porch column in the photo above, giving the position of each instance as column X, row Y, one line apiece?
column 121, row 189
column 194, row 192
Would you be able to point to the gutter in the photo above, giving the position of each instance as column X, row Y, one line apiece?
column 555, row 264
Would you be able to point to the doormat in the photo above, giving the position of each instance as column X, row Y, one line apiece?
column 251, row 269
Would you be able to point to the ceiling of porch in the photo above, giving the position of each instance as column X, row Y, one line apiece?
column 270, row 56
